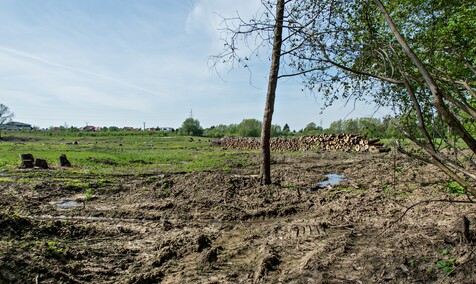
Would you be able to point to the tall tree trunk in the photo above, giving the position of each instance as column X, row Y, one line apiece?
column 265, row 161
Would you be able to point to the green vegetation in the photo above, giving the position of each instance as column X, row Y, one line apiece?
column 455, row 188
column 447, row 264
column 138, row 153
column 246, row 128
column 5, row 180
column 191, row 127
column 366, row 126
column 88, row 194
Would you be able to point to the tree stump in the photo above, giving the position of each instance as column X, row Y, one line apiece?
column 465, row 232
column 40, row 163
column 64, row 162
column 26, row 161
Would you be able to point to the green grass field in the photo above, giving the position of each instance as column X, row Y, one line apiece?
column 128, row 154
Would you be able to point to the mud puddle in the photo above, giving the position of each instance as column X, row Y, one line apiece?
column 332, row 179
column 68, row 203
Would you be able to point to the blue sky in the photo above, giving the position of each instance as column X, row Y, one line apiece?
column 122, row 63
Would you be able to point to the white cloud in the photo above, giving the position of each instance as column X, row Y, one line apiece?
column 207, row 15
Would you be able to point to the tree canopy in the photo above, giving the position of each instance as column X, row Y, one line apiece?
column 191, row 127
column 416, row 56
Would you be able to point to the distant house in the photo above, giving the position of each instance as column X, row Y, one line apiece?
column 169, row 129
column 90, row 128
column 15, row 125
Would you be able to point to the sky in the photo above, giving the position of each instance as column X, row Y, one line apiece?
column 126, row 63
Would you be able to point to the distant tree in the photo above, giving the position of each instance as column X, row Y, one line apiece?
column 232, row 129
column 249, row 128
column 191, row 127
column 217, row 131
column 367, row 126
column 336, row 126
column 286, row 127
column 310, row 127
column 276, row 130
column 286, row 130
column 5, row 115
column 350, row 126
column 371, row 127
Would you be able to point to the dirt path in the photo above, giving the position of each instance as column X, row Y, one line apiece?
column 223, row 227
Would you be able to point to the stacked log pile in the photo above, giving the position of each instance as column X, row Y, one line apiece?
column 242, row 143
column 325, row 142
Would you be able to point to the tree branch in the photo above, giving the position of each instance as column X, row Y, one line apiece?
column 438, row 99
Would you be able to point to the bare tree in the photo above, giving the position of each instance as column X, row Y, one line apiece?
column 265, row 162
column 5, row 115
column 274, row 27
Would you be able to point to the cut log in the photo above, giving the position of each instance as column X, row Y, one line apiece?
column 373, row 141
column 376, row 149
column 64, row 162
column 26, row 161
column 41, row 163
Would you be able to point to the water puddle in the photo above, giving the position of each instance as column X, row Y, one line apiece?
column 332, row 179
column 68, row 203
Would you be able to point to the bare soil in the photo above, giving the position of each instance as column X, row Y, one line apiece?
column 223, row 227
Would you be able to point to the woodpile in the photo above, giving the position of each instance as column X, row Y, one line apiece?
column 242, row 143
column 324, row 142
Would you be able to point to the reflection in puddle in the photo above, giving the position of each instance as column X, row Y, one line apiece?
column 68, row 203
column 332, row 179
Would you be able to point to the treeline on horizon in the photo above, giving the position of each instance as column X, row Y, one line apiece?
column 366, row 126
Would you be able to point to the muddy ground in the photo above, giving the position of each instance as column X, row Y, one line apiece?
column 223, row 227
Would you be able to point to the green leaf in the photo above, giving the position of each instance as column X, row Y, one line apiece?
column 441, row 263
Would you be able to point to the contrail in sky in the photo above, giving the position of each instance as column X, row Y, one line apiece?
column 51, row 63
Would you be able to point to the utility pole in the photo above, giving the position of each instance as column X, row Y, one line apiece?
column 144, row 125
column 191, row 113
